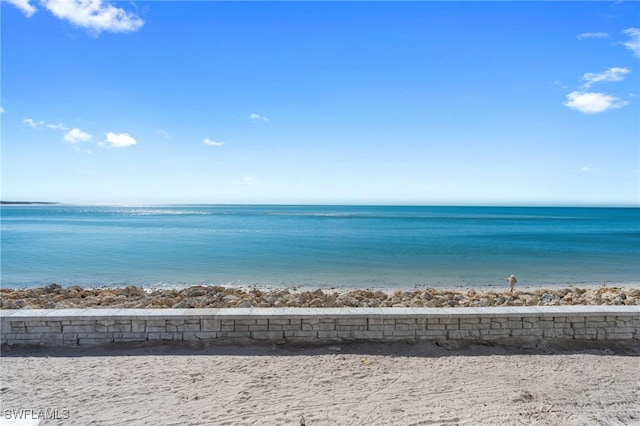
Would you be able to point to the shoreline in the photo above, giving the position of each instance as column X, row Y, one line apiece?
column 55, row 296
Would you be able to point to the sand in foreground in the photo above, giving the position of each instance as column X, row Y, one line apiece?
column 362, row 384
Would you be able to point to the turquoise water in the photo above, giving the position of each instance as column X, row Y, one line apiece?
column 317, row 246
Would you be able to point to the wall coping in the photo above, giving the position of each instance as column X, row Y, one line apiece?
column 289, row 313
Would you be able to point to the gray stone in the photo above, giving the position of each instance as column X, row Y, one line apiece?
column 78, row 328
column 267, row 335
column 138, row 326
column 211, row 325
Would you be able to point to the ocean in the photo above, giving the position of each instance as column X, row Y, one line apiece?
column 317, row 246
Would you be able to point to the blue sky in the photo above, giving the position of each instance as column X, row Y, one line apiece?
column 511, row 103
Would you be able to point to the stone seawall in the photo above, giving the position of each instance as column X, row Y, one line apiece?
column 95, row 327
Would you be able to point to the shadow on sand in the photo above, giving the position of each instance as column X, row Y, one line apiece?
column 399, row 349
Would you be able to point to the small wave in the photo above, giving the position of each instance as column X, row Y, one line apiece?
column 155, row 212
column 315, row 214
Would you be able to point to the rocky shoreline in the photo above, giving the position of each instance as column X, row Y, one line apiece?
column 56, row 297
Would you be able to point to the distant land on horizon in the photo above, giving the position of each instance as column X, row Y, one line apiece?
column 28, row 202
column 541, row 205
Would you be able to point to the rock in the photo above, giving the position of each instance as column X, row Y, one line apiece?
column 70, row 293
column 380, row 295
column 230, row 299
column 316, row 303
column 56, row 297
column 51, row 288
column 549, row 297
column 426, row 295
column 132, row 291
column 163, row 302
column 9, row 304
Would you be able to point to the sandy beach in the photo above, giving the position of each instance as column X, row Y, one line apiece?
column 545, row 382
column 548, row 383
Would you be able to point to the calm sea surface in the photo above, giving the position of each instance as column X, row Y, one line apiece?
column 317, row 246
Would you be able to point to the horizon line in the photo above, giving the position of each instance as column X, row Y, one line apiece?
column 360, row 204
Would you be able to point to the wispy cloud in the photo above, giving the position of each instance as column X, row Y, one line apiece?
column 633, row 44
column 57, row 126
column 592, row 35
column 39, row 124
column 560, row 84
column 76, row 135
column 1, row 110
column 592, row 102
column 93, row 15
column 612, row 74
column 210, row 142
column 164, row 133
column 32, row 123
column 258, row 117
column 24, row 6
column 119, row 140
column 586, row 169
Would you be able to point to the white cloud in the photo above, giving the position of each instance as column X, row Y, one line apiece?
column 94, row 15
column 612, row 74
column 212, row 142
column 587, row 169
column 634, row 40
column 58, row 126
column 24, row 6
column 592, row 102
column 120, row 140
column 1, row 110
column 258, row 117
column 76, row 135
column 592, row 35
column 31, row 123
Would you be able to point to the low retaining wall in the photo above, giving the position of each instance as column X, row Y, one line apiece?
column 93, row 327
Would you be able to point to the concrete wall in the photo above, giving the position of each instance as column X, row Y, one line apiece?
column 92, row 327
